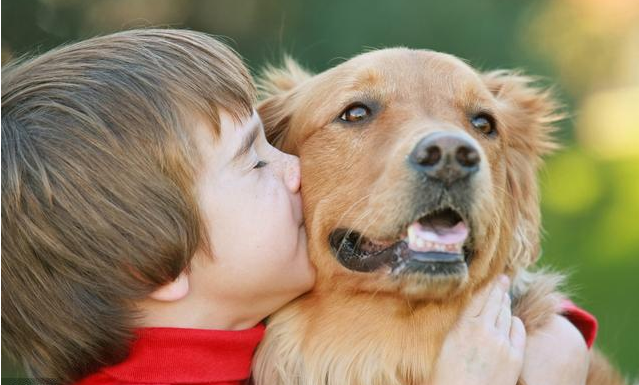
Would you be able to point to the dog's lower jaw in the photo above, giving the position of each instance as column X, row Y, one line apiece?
column 423, row 287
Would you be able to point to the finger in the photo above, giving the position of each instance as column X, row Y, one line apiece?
column 518, row 335
column 478, row 301
column 493, row 303
column 504, row 319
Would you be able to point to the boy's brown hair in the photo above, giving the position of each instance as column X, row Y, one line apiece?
column 98, row 170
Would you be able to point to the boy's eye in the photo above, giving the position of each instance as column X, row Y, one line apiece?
column 260, row 164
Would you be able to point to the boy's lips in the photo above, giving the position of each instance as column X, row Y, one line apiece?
column 298, row 212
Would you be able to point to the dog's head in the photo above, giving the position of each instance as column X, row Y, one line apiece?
column 418, row 172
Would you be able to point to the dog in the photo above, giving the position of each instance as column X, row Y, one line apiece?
column 419, row 188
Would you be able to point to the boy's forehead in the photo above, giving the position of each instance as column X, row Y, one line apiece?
column 237, row 130
column 247, row 131
column 229, row 124
column 249, row 123
column 235, row 137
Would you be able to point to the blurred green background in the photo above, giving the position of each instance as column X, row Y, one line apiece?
column 588, row 49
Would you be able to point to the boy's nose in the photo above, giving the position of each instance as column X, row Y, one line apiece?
column 292, row 174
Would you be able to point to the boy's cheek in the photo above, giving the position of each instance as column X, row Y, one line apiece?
column 309, row 269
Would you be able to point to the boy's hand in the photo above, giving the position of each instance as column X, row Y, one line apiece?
column 556, row 354
column 487, row 344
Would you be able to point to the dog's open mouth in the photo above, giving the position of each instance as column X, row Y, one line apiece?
column 436, row 243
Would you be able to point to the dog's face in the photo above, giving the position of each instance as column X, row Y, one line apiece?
column 418, row 172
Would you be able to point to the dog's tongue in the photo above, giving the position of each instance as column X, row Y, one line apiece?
column 439, row 233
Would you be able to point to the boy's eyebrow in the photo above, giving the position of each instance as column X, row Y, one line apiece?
column 248, row 141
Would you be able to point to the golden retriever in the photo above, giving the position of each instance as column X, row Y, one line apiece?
column 419, row 187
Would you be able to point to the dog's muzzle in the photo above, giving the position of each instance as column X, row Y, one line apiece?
column 437, row 240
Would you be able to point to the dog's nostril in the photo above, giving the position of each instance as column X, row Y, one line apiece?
column 425, row 155
column 467, row 156
column 433, row 155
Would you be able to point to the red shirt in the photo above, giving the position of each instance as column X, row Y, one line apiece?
column 180, row 356
column 217, row 357
column 585, row 322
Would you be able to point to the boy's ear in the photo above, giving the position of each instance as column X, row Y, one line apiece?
column 527, row 115
column 172, row 291
column 278, row 99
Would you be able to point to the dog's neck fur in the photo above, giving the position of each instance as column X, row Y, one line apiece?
column 369, row 354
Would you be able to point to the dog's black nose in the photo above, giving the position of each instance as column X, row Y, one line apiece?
column 445, row 157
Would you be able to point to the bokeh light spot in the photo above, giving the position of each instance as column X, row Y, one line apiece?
column 608, row 125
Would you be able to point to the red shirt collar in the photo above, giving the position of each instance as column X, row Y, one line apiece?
column 174, row 355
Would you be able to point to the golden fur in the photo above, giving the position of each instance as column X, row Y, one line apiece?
column 368, row 328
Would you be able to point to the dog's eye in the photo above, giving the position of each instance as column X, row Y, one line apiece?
column 484, row 123
column 355, row 113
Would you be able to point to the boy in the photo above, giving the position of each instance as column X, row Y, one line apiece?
column 149, row 227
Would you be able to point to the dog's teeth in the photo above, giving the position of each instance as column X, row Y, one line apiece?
column 418, row 243
column 412, row 236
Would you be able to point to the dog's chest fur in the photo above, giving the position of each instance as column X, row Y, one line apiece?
column 378, row 340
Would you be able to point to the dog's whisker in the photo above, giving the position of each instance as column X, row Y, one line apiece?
column 366, row 212
column 362, row 219
column 378, row 214
column 350, row 229
column 352, row 207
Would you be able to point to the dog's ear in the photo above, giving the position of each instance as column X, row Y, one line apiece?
column 276, row 87
column 277, row 80
column 529, row 112
column 527, row 115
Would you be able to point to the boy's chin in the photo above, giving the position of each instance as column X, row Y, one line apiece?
column 303, row 283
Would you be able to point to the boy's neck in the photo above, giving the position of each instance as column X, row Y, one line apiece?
column 191, row 313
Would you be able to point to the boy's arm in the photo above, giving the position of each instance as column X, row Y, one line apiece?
column 558, row 352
